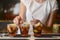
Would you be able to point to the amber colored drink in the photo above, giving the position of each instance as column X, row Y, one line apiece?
column 24, row 29
column 12, row 29
column 37, row 29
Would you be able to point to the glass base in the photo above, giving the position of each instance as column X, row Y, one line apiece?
column 37, row 35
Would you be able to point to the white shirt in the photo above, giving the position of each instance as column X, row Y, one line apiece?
column 39, row 11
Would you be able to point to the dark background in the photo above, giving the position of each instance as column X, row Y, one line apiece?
column 6, row 16
column 58, row 1
column 6, row 5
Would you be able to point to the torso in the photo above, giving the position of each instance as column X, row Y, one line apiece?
column 40, row 1
column 38, row 11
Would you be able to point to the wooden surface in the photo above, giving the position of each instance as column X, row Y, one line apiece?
column 5, row 20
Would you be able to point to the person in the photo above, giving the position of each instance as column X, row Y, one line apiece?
column 33, row 10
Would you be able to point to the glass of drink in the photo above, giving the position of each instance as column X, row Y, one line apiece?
column 24, row 28
column 12, row 29
column 37, row 29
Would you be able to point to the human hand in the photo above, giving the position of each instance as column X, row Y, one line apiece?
column 18, row 20
column 34, row 21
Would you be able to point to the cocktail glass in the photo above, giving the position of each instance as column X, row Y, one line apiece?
column 12, row 29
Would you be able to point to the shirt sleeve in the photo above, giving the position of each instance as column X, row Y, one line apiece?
column 26, row 2
column 54, row 5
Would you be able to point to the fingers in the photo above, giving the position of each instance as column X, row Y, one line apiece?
column 21, row 22
column 34, row 21
column 16, row 20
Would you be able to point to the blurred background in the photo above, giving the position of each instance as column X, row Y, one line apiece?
column 10, row 8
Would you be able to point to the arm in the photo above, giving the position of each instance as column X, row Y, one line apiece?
column 51, row 19
column 48, row 28
column 22, row 10
column 21, row 18
column 53, row 13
